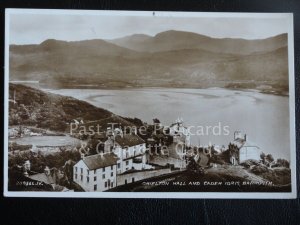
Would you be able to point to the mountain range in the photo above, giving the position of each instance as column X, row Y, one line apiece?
column 168, row 59
column 178, row 40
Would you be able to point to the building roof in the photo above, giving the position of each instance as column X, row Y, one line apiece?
column 129, row 140
column 239, row 142
column 94, row 162
column 100, row 136
column 42, row 177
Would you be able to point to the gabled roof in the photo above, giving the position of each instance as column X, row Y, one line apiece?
column 94, row 162
column 129, row 140
column 42, row 177
column 239, row 142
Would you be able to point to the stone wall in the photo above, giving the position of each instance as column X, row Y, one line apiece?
column 140, row 175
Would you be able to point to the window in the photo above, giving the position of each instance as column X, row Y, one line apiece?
column 105, row 184
column 95, row 187
column 95, row 171
column 87, row 179
column 112, row 167
column 112, row 184
column 125, row 181
column 103, row 176
column 81, row 177
column 119, row 165
column 95, row 178
column 127, row 163
column 88, row 172
column 112, row 174
column 132, row 179
column 81, row 170
column 103, row 169
column 76, row 176
column 76, row 168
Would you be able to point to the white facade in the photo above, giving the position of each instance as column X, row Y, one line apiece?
column 121, row 154
column 249, row 152
column 126, row 156
column 180, row 133
column 100, row 179
column 246, row 149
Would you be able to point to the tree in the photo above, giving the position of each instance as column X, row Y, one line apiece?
column 263, row 156
column 156, row 121
column 283, row 163
column 92, row 145
column 270, row 159
column 193, row 166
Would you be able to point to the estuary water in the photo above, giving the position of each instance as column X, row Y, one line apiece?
column 263, row 117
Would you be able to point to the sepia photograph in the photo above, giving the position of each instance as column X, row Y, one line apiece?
column 136, row 104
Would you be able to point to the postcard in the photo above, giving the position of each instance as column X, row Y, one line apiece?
column 123, row 104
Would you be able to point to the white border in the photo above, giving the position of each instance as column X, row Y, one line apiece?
column 178, row 195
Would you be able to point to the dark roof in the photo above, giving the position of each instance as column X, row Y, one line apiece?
column 99, row 161
column 129, row 140
column 100, row 136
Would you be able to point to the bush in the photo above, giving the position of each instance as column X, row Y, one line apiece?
column 259, row 169
column 250, row 162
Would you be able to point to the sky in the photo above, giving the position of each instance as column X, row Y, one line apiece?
column 34, row 28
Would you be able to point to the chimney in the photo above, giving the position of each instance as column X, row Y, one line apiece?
column 82, row 155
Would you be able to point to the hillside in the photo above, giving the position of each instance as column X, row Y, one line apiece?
column 55, row 112
column 176, row 40
column 170, row 59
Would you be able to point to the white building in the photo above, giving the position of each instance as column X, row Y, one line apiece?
column 123, row 154
column 131, row 150
column 245, row 149
column 180, row 133
column 96, row 172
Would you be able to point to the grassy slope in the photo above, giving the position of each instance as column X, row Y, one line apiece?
column 46, row 110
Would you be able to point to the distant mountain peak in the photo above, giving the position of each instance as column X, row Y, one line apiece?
column 50, row 44
column 180, row 33
column 140, row 35
column 52, row 41
column 132, row 37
